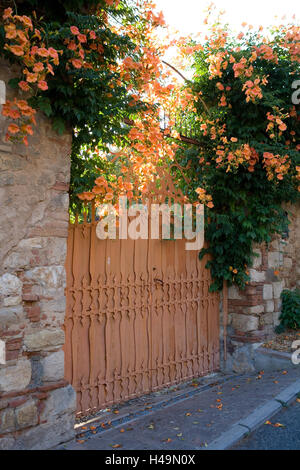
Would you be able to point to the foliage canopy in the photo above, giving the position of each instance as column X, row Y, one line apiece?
column 92, row 66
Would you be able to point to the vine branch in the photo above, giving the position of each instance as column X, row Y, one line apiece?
column 186, row 80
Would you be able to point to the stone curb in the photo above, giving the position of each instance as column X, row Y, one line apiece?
column 239, row 430
column 269, row 359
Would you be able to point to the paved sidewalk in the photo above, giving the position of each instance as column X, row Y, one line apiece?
column 199, row 416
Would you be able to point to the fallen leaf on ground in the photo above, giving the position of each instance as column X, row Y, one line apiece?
column 92, row 428
column 279, row 425
column 167, row 440
column 188, row 414
column 122, row 430
column 116, row 446
column 84, row 427
column 81, row 441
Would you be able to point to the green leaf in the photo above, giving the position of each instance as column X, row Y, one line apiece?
column 13, row 82
column 59, row 125
column 45, row 106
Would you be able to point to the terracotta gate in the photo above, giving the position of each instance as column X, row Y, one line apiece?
column 139, row 317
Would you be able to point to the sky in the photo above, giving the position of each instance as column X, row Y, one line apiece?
column 187, row 15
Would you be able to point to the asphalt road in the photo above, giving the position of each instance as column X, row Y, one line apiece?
column 270, row 437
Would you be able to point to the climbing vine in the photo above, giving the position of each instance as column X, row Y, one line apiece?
column 90, row 67
column 247, row 158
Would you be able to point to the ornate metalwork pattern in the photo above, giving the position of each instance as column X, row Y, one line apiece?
column 139, row 317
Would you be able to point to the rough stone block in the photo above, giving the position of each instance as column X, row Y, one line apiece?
column 47, row 276
column 288, row 263
column 44, row 339
column 47, row 435
column 241, row 360
column 55, row 307
column 268, row 292
column 234, row 293
column 276, row 316
column 10, row 316
column 12, row 301
column 270, row 275
column 27, row 415
column 269, row 306
column 16, row 377
column 2, row 352
column 60, row 401
column 7, row 443
column 277, row 305
column 257, row 276
column 267, row 319
column 53, row 367
column 2, row 94
column 257, row 260
column 256, row 309
column 244, row 323
column 44, row 250
column 277, row 288
column 10, row 285
column 273, row 259
column 274, row 245
column 7, row 421
column 29, row 243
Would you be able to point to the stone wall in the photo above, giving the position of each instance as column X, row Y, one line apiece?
column 36, row 404
column 254, row 313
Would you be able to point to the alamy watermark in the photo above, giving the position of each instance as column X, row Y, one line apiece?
column 296, row 354
column 152, row 221
column 296, row 93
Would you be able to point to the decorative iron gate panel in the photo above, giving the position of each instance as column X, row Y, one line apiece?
column 139, row 317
